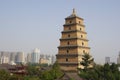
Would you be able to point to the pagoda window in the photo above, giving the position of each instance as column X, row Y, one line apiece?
column 80, row 29
column 68, row 43
column 69, row 35
column 83, row 51
column 66, row 59
column 81, row 36
column 67, row 51
column 70, row 21
column 82, row 43
column 69, row 28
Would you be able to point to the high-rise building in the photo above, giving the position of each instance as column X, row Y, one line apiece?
column 73, row 43
column 49, row 58
column 29, row 58
column 118, row 59
column 2, row 53
column 107, row 60
column 4, row 60
column 53, row 59
column 20, row 57
column 4, row 57
column 12, row 56
column 35, row 56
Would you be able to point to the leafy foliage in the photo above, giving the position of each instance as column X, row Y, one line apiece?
column 4, row 75
column 87, row 61
column 34, row 73
column 98, row 72
column 105, row 72
column 52, row 74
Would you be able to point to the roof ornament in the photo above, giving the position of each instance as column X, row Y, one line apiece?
column 74, row 12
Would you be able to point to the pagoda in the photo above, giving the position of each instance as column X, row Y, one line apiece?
column 73, row 43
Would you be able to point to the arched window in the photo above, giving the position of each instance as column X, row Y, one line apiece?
column 81, row 36
column 68, row 35
column 82, row 43
column 68, row 43
column 80, row 29
column 66, row 59
column 83, row 51
column 67, row 51
column 69, row 28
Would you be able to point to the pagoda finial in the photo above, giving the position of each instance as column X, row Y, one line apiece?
column 74, row 12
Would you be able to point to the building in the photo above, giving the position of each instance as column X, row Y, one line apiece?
column 4, row 57
column 118, row 59
column 107, row 60
column 4, row 60
column 43, row 61
column 12, row 57
column 53, row 59
column 28, row 60
column 18, row 70
column 35, row 56
column 73, row 43
column 20, row 57
column 46, row 59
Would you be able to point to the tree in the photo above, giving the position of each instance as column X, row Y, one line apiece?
column 102, row 72
column 33, row 70
column 87, row 61
column 4, row 75
column 53, row 73
column 56, row 71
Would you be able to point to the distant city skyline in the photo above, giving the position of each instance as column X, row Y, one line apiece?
column 25, row 25
column 35, row 57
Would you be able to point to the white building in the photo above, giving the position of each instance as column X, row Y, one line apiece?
column 35, row 55
column 47, row 59
column 43, row 61
column 53, row 59
column 4, row 59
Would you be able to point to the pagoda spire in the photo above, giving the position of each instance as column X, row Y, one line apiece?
column 74, row 12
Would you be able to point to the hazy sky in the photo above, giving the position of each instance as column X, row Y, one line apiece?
column 29, row 24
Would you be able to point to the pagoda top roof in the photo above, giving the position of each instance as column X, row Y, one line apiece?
column 73, row 15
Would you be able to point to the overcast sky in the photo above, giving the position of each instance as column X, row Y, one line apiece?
column 29, row 24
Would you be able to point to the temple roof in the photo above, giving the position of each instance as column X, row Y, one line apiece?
column 73, row 15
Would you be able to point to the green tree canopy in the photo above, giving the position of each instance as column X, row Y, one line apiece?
column 102, row 72
column 87, row 61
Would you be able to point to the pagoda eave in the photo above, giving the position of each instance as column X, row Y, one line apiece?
column 73, row 31
column 63, row 39
column 72, row 24
column 68, row 55
column 73, row 46
column 68, row 63
column 71, row 17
